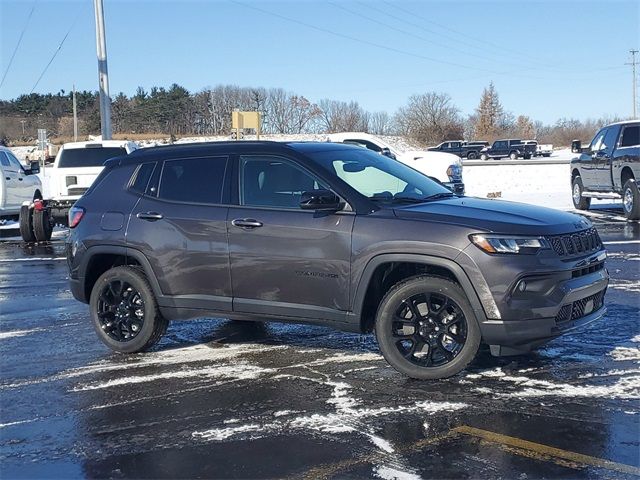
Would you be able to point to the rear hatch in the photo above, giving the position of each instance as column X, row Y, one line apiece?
column 77, row 168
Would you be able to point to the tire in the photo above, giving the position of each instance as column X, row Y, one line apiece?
column 116, row 300
column 513, row 156
column 484, row 156
column 471, row 155
column 631, row 200
column 422, row 325
column 579, row 202
column 527, row 157
column 26, row 224
column 42, row 227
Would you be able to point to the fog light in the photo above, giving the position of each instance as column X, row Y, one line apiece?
column 522, row 286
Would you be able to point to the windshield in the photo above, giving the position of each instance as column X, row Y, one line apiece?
column 379, row 178
column 88, row 157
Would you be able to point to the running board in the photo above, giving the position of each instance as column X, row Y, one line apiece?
column 602, row 195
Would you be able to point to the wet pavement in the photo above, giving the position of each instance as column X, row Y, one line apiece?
column 235, row 399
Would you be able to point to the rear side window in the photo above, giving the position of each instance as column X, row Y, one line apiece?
column 4, row 160
column 142, row 176
column 630, row 136
column 88, row 157
column 193, row 180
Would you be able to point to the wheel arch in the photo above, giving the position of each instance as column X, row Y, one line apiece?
column 384, row 271
column 626, row 174
column 99, row 259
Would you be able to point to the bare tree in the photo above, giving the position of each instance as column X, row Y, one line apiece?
column 337, row 116
column 430, row 118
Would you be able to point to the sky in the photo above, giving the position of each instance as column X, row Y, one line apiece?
column 547, row 59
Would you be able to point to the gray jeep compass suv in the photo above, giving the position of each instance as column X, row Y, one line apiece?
column 328, row 234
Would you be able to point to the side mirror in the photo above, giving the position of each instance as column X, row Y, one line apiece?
column 387, row 153
column 35, row 168
column 320, row 200
column 576, row 146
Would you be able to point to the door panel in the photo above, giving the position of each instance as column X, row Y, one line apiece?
column 12, row 187
column 186, row 243
column 603, row 158
column 292, row 262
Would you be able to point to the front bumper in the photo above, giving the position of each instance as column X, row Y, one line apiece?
column 576, row 303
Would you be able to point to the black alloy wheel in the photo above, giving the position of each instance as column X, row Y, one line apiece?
column 120, row 311
column 426, row 327
column 430, row 329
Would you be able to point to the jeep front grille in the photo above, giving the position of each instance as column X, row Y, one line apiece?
column 579, row 243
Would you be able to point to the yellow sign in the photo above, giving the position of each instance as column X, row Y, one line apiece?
column 242, row 120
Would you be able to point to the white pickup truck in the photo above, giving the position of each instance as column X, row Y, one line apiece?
column 17, row 183
column 76, row 167
column 443, row 167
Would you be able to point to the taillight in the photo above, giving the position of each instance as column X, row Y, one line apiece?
column 75, row 215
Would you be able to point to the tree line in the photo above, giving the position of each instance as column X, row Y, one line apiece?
column 428, row 118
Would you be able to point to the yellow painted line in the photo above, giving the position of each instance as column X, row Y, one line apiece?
column 545, row 450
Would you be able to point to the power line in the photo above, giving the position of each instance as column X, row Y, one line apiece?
column 54, row 54
column 15, row 50
column 360, row 40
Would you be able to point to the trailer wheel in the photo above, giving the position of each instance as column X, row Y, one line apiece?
column 26, row 224
column 42, row 226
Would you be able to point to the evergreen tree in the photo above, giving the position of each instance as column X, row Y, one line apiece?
column 489, row 114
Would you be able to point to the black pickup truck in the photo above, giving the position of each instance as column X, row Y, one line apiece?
column 512, row 148
column 461, row 148
column 608, row 168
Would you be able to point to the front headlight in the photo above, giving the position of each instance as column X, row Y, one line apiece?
column 454, row 171
column 506, row 244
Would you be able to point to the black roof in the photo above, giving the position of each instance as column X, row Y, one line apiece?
column 208, row 148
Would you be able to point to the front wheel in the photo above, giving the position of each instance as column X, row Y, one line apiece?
column 125, row 312
column 513, row 156
column 484, row 156
column 631, row 200
column 579, row 202
column 426, row 328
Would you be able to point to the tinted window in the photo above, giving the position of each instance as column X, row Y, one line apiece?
column 4, row 160
column 630, row 136
column 142, row 176
column 88, row 157
column 193, row 180
column 500, row 145
column 610, row 139
column 267, row 181
column 596, row 143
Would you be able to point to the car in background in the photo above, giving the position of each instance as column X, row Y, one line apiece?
column 76, row 167
column 445, row 168
column 17, row 184
column 469, row 150
column 608, row 168
column 544, row 150
column 511, row 148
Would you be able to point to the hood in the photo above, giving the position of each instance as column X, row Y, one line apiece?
column 496, row 216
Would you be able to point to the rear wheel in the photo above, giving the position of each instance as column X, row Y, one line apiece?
column 513, row 156
column 631, row 200
column 26, row 224
column 579, row 202
column 125, row 312
column 471, row 155
column 42, row 226
column 426, row 328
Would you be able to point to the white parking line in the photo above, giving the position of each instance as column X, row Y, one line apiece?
column 31, row 259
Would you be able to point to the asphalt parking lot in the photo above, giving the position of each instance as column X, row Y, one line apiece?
column 231, row 399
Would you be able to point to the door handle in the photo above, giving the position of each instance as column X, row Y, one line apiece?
column 7, row 178
column 150, row 216
column 20, row 179
column 247, row 223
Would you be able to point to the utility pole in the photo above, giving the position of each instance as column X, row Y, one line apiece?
column 75, row 116
column 635, row 82
column 23, row 122
column 103, row 76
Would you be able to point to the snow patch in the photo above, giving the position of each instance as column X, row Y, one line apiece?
column 391, row 473
column 625, row 353
column 219, row 434
column 19, row 333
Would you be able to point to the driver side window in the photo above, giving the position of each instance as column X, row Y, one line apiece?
column 597, row 143
column 268, row 181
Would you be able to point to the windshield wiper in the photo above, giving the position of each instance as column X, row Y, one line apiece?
column 437, row 196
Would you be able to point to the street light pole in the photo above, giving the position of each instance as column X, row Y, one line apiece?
column 75, row 116
column 103, row 76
